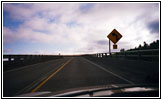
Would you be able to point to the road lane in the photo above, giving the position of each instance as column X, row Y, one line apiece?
column 137, row 71
column 80, row 73
column 20, row 81
column 110, row 72
column 54, row 73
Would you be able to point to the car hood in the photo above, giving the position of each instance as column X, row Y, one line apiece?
column 98, row 91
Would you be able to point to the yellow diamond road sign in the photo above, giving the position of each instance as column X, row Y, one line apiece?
column 114, row 36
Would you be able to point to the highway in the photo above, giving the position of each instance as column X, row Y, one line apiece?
column 77, row 72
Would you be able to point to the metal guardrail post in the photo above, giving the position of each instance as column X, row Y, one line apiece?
column 16, row 59
column 9, row 58
column 102, row 55
column 105, row 54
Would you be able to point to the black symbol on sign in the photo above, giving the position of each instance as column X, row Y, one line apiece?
column 113, row 34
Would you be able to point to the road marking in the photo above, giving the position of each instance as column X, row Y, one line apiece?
column 35, row 89
column 109, row 71
column 35, row 83
column 28, row 66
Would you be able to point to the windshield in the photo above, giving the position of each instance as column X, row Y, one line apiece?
column 68, row 48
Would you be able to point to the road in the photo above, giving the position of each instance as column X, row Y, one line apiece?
column 68, row 73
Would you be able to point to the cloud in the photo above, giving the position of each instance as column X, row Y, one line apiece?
column 82, row 28
column 154, row 26
column 102, row 42
column 84, row 8
column 7, row 50
column 19, row 11
column 8, row 35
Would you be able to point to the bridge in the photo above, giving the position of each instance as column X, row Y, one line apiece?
column 33, row 73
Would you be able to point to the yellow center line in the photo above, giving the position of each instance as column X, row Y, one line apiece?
column 35, row 89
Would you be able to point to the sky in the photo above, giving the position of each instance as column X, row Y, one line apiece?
column 77, row 28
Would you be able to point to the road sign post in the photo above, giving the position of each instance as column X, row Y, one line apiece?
column 109, row 47
column 114, row 36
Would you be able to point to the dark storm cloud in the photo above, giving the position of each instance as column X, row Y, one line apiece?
column 102, row 42
column 154, row 26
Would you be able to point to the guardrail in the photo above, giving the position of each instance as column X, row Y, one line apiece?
column 148, row 55
column 15, row 61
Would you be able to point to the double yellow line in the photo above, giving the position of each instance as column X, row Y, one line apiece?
column 36, row 88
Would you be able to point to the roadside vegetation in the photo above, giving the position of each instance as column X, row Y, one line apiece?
column 145, row 46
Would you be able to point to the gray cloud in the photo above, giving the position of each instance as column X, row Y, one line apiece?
column 102, row 42
column 153, row 26
column 86, row 7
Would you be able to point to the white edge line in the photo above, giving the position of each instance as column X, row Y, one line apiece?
column 109, row 71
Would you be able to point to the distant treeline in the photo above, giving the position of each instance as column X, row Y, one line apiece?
column 153, row 45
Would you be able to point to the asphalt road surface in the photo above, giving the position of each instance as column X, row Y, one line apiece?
column 74, row 72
